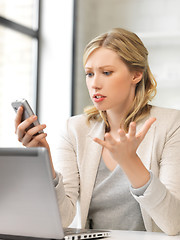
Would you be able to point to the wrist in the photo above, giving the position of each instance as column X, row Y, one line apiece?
column 136, row 172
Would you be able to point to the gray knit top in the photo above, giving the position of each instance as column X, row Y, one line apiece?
column 112, row 205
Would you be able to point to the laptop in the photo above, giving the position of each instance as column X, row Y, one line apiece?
column 28, row 203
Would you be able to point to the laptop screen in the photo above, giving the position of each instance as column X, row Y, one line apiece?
column 28, row 205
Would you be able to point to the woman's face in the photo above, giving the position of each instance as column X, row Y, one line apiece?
column 110, row 83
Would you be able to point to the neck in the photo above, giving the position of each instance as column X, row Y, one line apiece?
column 114, row 120
column 116, row 115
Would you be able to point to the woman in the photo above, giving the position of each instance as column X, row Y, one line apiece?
column 121, row 159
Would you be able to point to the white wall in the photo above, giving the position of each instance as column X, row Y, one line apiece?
column 55, row 65
column 158, row 25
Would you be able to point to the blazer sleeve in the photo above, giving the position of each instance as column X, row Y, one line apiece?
column 67, row 189
column 161, row 200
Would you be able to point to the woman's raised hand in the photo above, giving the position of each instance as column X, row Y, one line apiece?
column 126, row 146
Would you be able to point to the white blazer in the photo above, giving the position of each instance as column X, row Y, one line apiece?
column 78, row 157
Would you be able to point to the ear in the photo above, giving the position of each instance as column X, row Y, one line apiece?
column 137, row 76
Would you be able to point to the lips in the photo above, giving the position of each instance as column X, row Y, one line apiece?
column 98, row 97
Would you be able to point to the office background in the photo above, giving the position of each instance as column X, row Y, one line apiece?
column 43, row 61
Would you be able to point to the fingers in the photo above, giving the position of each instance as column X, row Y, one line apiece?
column 30, row 137
column 146, row 127
column 122, row 135
column 130, row 135
column 18, row 117
column 101, row 142
column 36, row 141
column 108, row 141
column 21, row 128
column 132, row 130
column 30, row 134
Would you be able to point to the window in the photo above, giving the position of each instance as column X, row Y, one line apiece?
column 19, row 36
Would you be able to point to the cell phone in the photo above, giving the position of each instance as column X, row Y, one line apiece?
column 26, row 113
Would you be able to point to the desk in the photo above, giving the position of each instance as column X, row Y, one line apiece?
column 140, row 235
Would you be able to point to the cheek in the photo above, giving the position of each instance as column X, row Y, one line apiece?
column 88, row 85
column 122, row 84
column 121, row 88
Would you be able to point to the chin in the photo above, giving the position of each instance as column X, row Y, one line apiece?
column 99, row 108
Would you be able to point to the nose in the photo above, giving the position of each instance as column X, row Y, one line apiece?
column 96, row 82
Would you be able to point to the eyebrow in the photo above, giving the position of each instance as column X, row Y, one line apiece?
column 104, row 66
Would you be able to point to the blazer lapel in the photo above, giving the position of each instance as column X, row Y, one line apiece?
column 89, row 167
column 145, row 149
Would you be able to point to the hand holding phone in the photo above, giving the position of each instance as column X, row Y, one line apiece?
column 27, row 112
column 31, row 138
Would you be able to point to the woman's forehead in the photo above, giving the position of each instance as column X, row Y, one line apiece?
column 102, row 56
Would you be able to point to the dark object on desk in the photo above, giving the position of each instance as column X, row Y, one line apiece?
column 28, row 204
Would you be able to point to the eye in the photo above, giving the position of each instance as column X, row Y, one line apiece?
column 90, row 74
column 107, row 73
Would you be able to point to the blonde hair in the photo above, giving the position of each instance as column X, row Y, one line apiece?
column 134, row 54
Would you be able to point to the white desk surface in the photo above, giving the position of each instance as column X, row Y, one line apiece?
column 140, row 235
